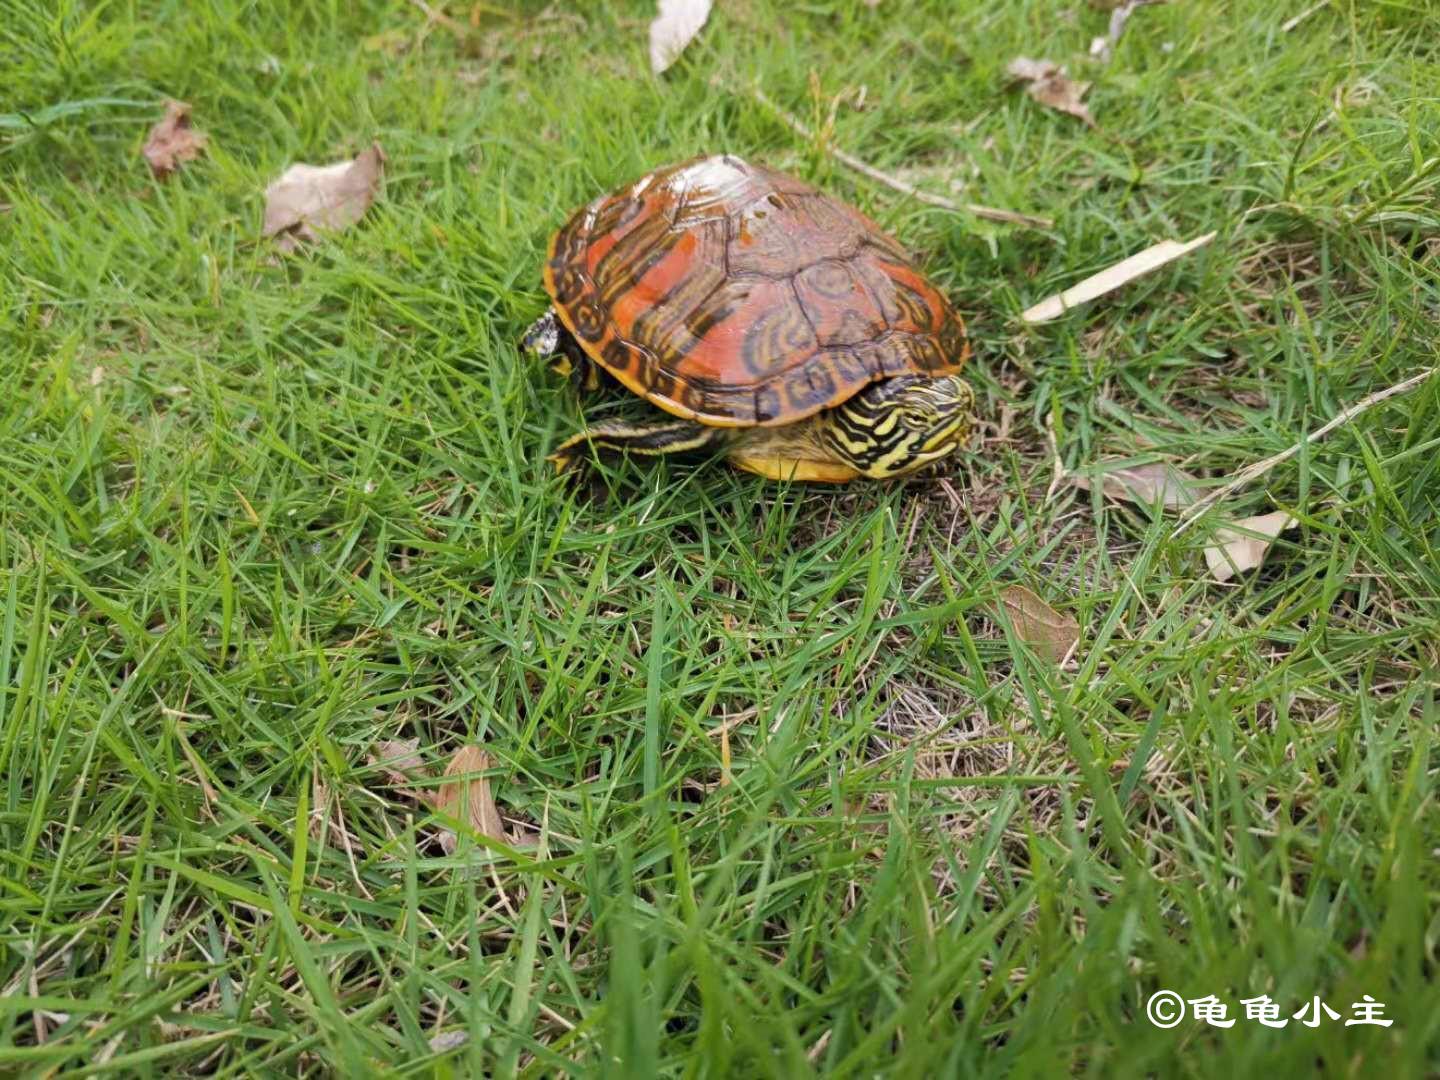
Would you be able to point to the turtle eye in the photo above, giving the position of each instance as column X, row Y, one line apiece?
column 915, row 418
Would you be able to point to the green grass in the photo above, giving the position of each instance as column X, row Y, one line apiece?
column 257, row 515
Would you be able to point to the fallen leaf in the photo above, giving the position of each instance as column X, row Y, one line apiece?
column 206, row 788
column 1235, row 552
column 467, row 798
column 1112, row 278
column 674, row 27
column 1357, row 94
column 724, row 756
column 448, row 1040
column 1143, row 484
column 1022, row 67
column 1048, row 84
column 854, row 810
column 173, row 141
column 1040, row 626
column 319, row 805
column 311, row 197
column 250, row 514
column 400, row 760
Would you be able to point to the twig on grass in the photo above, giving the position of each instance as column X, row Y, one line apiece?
column 988, row 213
column 1103, row 48
column 1290, row 24
column 433, row 16
column 1260, row 468
column 724, row 728
column 1112, row 278
column 1057, row 464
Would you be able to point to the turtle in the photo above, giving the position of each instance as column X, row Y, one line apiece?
column 760, row 315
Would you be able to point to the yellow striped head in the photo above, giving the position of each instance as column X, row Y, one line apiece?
column 901, row 424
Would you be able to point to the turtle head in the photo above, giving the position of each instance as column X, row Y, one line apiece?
column 543, row 337
column 900, row 424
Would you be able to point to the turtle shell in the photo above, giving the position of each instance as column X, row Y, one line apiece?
column 739, row 296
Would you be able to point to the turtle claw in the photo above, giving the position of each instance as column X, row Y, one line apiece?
column 565, row 461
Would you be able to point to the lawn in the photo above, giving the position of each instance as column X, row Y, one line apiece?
column 786, row 792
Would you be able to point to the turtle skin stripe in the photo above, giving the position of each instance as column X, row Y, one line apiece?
column 729, row 293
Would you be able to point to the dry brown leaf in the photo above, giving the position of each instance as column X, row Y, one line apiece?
column 206, row 788
column 401, row 762
column 173, row 141
column 1112, row 278
column 319, row 805
column 1048, row 84
column 1022, row 67
column 1040, row 626
column 673, row 28
column 1235, row 552
column 250, row 514
column 310, row 197
column 448, row 1040
column 468, row 797
column 1143, row 484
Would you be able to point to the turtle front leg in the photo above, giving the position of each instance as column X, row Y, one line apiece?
column 548, row 339
column 671, row 437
